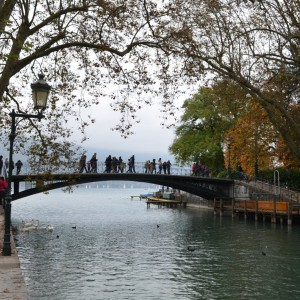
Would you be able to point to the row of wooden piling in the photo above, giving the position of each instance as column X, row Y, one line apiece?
column 259, row 209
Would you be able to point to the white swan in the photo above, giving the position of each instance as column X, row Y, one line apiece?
column 50, row 227
column 33, row 223
column 29, row 228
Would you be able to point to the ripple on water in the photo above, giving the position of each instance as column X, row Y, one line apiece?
column 118, row 252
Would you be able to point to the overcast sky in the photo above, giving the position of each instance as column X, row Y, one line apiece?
column 150, row 139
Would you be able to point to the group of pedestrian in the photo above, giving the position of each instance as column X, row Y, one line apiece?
column 4, row 166
column 117, row 165
column 88, row 166
column 163, row 167
column 114, row 164
column 200, row 170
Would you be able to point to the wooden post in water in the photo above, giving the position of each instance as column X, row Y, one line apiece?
column 215, row 206
column 232, row 203
column 273, row 217
column 289, row 217
column 221, row 207
column 281, row 219
column 245, row 210
column 256, row 210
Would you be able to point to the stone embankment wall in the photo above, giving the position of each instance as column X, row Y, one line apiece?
column 196, row 201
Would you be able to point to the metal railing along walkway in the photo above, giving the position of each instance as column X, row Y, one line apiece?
column 139, row 168
column 283, row 193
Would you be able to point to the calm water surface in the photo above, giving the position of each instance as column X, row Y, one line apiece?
column 117, row 251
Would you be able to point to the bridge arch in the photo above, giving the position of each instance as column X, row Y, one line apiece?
column 205, row 187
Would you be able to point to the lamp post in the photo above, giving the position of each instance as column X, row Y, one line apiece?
column 229, row 147
column 40, row 92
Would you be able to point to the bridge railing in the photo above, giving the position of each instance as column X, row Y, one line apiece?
column 284, row 193
column 139, row 168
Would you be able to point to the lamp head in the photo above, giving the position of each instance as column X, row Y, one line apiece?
column 40, row 93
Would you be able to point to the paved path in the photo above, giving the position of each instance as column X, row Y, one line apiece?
column 12, row 284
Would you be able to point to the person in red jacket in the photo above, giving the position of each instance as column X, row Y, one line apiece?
column 3, row 188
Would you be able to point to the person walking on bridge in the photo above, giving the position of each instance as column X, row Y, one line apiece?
column 19, row 165
column 153, row 166
column 133, row 164
column 121, row 165
column 165, row 167
column 82, row 164
column 160, row 166
column 168, row 167
column 94, row 163
column 108, row 164
column 129, row 163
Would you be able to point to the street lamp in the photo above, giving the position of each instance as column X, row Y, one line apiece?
column 229, row 147
column 40, row 92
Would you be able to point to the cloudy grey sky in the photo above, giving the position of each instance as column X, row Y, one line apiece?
column 150, row 139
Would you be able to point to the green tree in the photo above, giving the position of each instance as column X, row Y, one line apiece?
column 255, row 45
column 207, row 116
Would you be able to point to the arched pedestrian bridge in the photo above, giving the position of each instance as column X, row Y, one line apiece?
column 206, row 187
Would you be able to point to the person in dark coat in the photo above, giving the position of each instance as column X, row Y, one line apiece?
column 94, row 163
column 82, row 164
column 168, row 167
column 165, row 167
column 133, row 164
column 19, row 165
column 108, row 164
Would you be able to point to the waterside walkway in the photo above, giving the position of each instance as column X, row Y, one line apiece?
column 12, row 284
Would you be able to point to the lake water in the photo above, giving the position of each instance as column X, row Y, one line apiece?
column 122, row 250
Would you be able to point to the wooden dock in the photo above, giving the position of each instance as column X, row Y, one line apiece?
column 142, row 196
column 164, row 202
column 284, row 211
